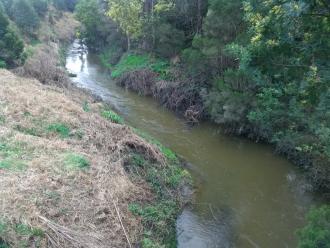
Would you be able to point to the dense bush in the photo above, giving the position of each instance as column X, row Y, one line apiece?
column 11, row 46
column 25, row 16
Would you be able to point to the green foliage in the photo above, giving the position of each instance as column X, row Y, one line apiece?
column 12, row 156
column 110, row 56
column 127, row 15
column 159, row 218
column 316, row 234
column 76, row 161
column 112, row 116
column 25, row 233
column 40, row 6
column 86, row 107
column 11, row 46
column 97, row 29
column 25, row 16
column 59, row 128
column 131, row 62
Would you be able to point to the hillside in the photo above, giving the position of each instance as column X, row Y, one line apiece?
column 63, row 181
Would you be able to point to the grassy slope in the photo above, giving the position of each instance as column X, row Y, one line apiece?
column 62, row 172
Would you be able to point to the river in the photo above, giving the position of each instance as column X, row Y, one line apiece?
column 246, row 195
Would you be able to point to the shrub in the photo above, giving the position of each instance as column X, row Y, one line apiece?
column 11, row 46
column 316, row 234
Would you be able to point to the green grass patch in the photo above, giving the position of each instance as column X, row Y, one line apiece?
column 59, row 128
column 112, row 116
column 130, row 62
column 25, row 234
column 76, row 161
column 13, row 156
column 159, row 217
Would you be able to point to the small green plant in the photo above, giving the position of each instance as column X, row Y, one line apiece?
column 2, row 119
column 86, row 107
column 25, row 230
column 317, row 231
column 2, row 64
column 76, row 161
column 60, row 128
column 112, row 116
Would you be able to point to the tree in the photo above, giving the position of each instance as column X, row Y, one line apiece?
column 127, row 14
column 11, row 46
column 25, row 16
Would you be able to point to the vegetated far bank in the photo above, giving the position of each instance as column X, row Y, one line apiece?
column 258, row 68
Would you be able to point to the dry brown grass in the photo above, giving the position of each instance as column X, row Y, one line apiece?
column 44, row 64
column 73, row 207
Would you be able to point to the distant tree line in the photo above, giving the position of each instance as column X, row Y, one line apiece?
column 261, row 67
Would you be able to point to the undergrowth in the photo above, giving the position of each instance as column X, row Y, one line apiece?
column 76, row 161
column 59, row 128
column 28, row 236
column 159, row 216
column 131, row 62
column 112, row 116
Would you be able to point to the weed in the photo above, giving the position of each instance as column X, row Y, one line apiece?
column 2, row 119
column 86, row 107
column 112, row 116
column 76, row 161
column 25, row 230
column 61, row 129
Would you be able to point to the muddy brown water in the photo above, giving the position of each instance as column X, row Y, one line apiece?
column 246, row 195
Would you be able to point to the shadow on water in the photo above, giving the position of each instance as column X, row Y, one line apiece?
column 246, row 196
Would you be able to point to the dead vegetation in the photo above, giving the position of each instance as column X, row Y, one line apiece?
column 65, row 191
column 45, row 62
column 181, row 97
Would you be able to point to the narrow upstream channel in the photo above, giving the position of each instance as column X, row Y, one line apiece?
column 246, row 196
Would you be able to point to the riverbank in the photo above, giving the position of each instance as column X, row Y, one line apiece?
column 96, row 175
column 89, row 169
column 167, row 83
